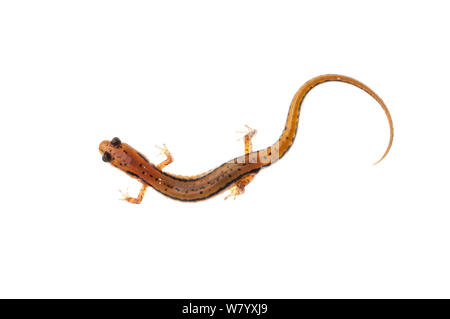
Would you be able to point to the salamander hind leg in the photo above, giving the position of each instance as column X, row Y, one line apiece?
column 133, row 200
column 249, row 134
column 239, row 186
column 169, row 158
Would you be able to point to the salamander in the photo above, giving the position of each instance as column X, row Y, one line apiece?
column 234, row 174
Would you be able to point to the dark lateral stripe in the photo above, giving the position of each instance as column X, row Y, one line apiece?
column 203, row 198
column 144, row 158
column 194, row 199
column 234, row 160
column 128, row 172
column 132, row 174
column 187, row 179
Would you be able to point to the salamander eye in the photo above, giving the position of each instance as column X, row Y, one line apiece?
column 106, row 157
column 115, row 141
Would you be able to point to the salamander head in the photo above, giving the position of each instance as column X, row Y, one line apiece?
column 113, row 151
column 121, row 155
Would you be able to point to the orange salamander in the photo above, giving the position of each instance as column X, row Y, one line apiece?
column 235, row 174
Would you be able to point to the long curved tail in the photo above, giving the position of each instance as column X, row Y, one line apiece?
column 287, row 137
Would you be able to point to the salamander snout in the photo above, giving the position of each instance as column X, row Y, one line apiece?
column 103, row 147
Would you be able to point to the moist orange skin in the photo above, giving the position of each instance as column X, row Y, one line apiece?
column 192, row 188
column 238, row 171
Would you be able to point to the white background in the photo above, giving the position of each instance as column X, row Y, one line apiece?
column 322, row 222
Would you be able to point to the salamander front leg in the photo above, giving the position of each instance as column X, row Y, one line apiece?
column 169, row 158
column 239, row 186
column 132, row 200
column 249, row 134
